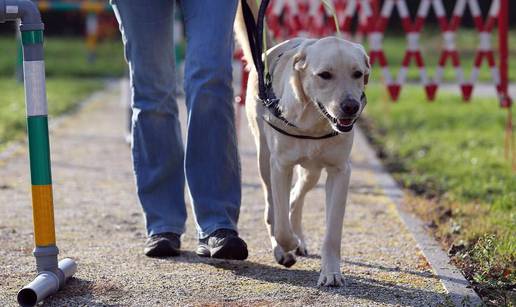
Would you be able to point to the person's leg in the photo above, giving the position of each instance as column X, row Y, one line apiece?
column 212, row 163
column 157, row 148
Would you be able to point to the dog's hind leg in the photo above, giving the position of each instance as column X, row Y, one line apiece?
column 306, row 180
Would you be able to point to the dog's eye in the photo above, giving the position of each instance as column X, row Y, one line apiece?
column 357, row 74
column 325, row 75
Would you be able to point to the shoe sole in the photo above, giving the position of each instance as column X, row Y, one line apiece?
column 161, row 250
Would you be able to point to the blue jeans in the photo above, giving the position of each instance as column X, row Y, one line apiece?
column 209, row 161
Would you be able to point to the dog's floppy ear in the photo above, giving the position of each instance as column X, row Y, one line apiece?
column 367, row 64
column 368, row 68
column 300, row 60
column 300, row 56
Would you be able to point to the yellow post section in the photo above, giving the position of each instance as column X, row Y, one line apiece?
column 43, row 215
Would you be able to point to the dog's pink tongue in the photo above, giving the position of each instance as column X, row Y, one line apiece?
column 345, row 122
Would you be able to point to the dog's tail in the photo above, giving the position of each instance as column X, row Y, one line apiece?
column 241, row 31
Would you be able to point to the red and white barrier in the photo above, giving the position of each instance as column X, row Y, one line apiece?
column 288, row 18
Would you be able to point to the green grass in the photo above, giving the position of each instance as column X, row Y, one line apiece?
column 458, row 147
column 63, row 96
column 70, row 78
column 453, row 154
column 431, row 45
column 67, row 57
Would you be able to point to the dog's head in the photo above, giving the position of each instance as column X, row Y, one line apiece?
column 332, row 73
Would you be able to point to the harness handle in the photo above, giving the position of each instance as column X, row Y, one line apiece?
column 255, row 32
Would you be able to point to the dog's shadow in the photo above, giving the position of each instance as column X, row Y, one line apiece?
column 367, row 288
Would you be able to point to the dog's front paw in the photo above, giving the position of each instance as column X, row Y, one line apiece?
column 332, row 279
column 285, row 259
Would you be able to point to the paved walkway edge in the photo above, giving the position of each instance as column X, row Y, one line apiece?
column 459, row 289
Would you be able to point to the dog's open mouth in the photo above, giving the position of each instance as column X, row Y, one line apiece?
column 344, row 122
column 341, row 124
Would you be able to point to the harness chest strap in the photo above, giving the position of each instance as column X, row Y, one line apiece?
column 292, row 131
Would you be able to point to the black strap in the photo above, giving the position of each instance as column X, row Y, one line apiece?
column 306, row 137
column 251, row 33
column 255, row 34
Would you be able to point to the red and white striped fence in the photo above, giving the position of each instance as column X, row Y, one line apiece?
column 288, row 18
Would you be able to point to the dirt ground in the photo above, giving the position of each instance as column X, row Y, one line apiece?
column 100, row 224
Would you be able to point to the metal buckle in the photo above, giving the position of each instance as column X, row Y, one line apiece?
column 268, row 102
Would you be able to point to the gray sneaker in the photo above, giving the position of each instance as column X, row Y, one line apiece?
column 165, row 244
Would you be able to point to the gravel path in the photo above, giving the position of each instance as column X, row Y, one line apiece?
column 99, row 223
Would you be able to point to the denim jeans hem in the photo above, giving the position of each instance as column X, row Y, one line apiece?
column 163, row 229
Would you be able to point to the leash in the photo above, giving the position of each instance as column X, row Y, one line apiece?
column 257, row 41
column 331, row 9
column 255, row 33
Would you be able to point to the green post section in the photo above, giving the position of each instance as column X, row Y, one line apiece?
column 39, row 150
column 32, row 37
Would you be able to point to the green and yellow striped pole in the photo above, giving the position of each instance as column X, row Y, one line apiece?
column 46, row 250
column 51, row 273
column 39, row 149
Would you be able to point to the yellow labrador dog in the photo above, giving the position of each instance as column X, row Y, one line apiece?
column 320, row 84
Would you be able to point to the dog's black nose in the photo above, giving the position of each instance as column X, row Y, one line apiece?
column 350, row 106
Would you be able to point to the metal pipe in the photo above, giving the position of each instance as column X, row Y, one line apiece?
column 3, row 13
column 46, row 283
column 68, row 267
column 51, row 274
column 25, row 10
